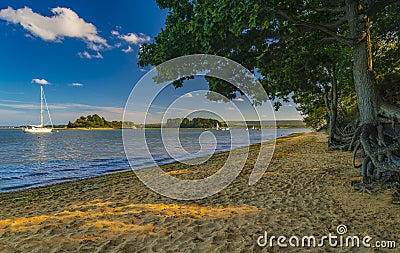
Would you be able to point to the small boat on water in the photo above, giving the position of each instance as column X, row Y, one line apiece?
column 217, row 127
column 40, row 129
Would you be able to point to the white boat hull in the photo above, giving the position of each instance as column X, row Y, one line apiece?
column 37, row 130
column 40, row 129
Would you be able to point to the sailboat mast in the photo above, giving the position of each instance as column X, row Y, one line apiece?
column 41, row 105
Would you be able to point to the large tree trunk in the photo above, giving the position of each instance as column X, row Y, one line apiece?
column 364, row 79
column 378, row 139
column 333, row 124
column 365, row 86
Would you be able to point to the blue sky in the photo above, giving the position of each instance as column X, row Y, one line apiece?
column 85, row 55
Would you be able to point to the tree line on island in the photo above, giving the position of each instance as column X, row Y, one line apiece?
column 338, row 60
column 194, row 123
column 95, row 121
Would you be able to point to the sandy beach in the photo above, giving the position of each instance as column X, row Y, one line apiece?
column 306, row 191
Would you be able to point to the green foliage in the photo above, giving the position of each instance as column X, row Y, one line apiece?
column 291, row 44
column 385, row 42
column 389, row 88
column 194, row 123
column 95, row 121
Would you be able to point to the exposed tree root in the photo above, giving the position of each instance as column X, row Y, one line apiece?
column 378, row 148
column 345, row 138
column 366, row 188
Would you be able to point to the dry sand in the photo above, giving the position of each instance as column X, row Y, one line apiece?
column 305, row 191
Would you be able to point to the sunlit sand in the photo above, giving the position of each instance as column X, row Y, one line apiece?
column 305, row 190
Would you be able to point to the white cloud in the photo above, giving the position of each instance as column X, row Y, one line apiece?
column 19, row 106
column 239, row 99
column 187, row 95
column 128, row 50
column 77, row 84
column 29, row 36
column 64, row 23
column 115, row 33
column 20, row 113
column 133, row 38
column 213, row 102
column 40, row 81
column 61, row 113
column 86, row 55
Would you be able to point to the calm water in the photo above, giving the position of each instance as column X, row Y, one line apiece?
column 28, row 160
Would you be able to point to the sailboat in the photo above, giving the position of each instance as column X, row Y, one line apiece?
column 40, row 129
column 221, row 128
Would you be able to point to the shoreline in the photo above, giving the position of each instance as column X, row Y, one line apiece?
column 139, row 168
column 166, row 167
column 153, row 128
column 305, row 191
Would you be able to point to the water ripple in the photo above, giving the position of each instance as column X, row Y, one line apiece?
column 28, row 160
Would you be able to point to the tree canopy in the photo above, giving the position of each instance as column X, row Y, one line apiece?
column 287, row 42
column 95, row 121
column 329, row 56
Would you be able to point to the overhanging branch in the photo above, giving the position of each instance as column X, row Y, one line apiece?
column 377, row 7
column 329, row 9
column 319, row 27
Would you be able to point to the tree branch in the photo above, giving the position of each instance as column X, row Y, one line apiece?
column 329, row 9
column 327, row 39
column 339, row 22
column 294, row 34
column 377, row 7
column 319, row 27
column 332, row 9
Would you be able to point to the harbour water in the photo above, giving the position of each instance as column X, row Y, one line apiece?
column 30, row 160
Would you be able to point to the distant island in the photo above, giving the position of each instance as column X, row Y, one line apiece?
column 194, row 123
column 95, row 121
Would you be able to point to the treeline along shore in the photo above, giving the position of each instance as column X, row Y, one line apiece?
column 96, row 122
